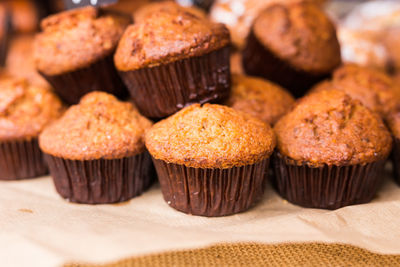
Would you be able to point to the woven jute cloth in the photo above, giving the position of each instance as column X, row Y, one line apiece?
column 253, row 254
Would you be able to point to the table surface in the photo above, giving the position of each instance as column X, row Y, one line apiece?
column 48, row 231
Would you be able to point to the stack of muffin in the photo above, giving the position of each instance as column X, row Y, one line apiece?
column 212, row 141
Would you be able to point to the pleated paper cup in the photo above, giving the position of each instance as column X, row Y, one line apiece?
column 101, row 181
column 21, row 160
column 163, row 90
column 211, row 192
column 99, row 76
column 261, row 61
column 327, row 186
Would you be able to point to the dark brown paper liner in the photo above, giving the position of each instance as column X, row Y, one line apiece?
column 163, row 90
column 396, row 159
column 211, row 192
column 99, row 76
column 21, row 160
column 101, row 181
column 328, row 186
column 260, row 61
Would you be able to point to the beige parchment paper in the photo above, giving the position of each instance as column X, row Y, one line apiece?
column 39, row 228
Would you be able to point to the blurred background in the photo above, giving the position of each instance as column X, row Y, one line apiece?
column 369, row 31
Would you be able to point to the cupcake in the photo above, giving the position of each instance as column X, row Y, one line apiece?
column 173, row 58
column 74, row 52
column 330, row 152
column 211, row 160
column 259, row 98
column 96, row 151
column 24, row 111
column 373, row 88
column 294, row 45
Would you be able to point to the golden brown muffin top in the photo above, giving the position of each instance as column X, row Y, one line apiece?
column 100, row 126
column 77, row 38
column 167, row 6
column 210, row 136
column 373, row 88
column 259, row 98
column 168, row 35
column 25, row 109
column 301, row 34
column 329, row 127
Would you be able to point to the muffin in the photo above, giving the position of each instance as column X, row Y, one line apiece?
column 259, row 98
column 20, row 62
column 393, row 122
column 373, row 88
column 211, row 160
column 330, row 152
column 294, row 45
column 24, row 111
column 74, row 52
column 238, row 15
column 173, row 58
column 167, row 6
column 104, row 159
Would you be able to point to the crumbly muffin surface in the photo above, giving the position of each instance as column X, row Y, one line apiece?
column 100, row 126
column 166, row 36
column 331, row 128
column 373, row 88
column 74, row 39
column 259, row 98
column 25, row 109
column 210, row 136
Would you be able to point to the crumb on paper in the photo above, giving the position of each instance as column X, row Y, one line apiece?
column 26, row 210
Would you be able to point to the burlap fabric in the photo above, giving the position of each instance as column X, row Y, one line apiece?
column 253, row 254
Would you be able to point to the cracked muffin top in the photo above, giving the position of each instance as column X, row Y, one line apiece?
column 373, row 88
column 74, row 39
column 300, row 34
column 329, row 127
column 25, row 109
column 99, row 127
column 210, row 136
column 168, row 35
column 259, row 98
